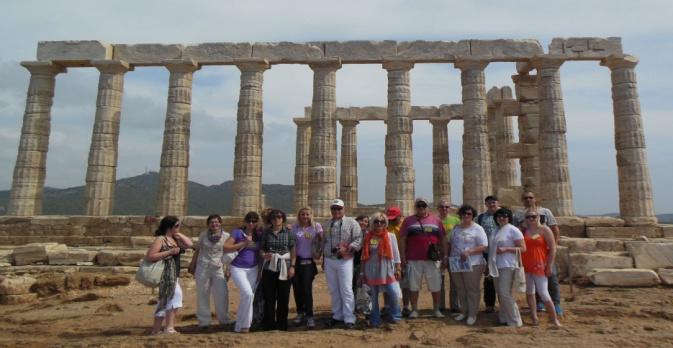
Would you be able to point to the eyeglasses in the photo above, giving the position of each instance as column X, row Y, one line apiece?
column 421, row 206
column 531, row 217
column 528, row 197
column 379, row 222
column 336, row 207
column 444, row 207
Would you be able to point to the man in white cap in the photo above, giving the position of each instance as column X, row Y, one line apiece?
column 342, row 239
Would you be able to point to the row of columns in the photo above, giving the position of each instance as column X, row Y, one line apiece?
column 318, row 164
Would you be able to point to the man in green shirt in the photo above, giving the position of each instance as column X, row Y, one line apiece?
column 447, row 213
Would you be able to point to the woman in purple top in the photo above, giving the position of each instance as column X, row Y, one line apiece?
column 307, row 234
column 244, row 267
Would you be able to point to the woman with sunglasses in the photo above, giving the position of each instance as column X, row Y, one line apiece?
column 167, row 247
column 537, row 262
column 381, row 268
column 244, row 271
column 277, row 249
column 308, row 234
column 468, row 243
column 503, row 261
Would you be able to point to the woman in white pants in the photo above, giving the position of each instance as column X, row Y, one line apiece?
column 503, row 262
column 244, row 270
column 210, row 276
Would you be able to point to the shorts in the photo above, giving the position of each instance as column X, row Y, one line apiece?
column 427, row 269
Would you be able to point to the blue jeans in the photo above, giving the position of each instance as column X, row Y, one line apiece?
column 391, row 301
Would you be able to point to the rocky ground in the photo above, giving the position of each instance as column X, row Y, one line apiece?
column 122, row 315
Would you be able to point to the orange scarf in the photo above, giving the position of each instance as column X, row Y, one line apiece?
column 385, row 248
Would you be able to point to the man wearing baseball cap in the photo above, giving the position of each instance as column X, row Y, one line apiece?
column 341, row 240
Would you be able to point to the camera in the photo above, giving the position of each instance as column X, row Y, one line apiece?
column 335, row 251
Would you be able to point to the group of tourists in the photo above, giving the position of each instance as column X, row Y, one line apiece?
column 384, row 253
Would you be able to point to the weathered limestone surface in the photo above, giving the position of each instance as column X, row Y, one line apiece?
column 588, row 245
column 147, row 54
column 35, row 252
column 101, row 172
column 666, row 275
column 621, row 232
column 30, row 169
column 636, row 203
column 526, row 90
column 476, row 163
column 586, row 47
column 360, row 51
column 505, row 50
column 217, row 52
column 555, row 189
column 624, row 277
column 584, row 263
column 121, row 257
column 6, row 256
column 16, row 285
column 400, row 174
column 433, row 51
column 348, row 183
column 17, row 299
column 570, row 226
column 73, row 53
column 247, row 186
column 503, row 169
column 322, row 186
column 301, row 163
column 651, row 255
column 72, row 256
column 666, row 231
column 287, row 52
column 441, row 171
column 603, row 221
column 173, row 177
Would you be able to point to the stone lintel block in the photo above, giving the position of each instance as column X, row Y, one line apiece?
column 423, row 112
column 666, row 275
column 147, row 54
column 451, row 111
column 603, row 221
column 505, row 50
column 521, row 150
column 215, row 53
column 361, row 51
column 651, row 255
column 73, row 53
column 112, row 66
column 624, row 277
column 621, row 232
column 288, row 52
column 433, row 51
column 586, row 48
column 302, row 121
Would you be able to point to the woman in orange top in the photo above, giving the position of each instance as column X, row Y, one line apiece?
column 537, row 262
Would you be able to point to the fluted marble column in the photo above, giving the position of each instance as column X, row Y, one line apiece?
column 400, row 174
column 247, row 187
column 101, row 172
column 30, row 169
column 555, row 188
column 322, row 186
column 441, row 171
column 173, row 175
column 348, row 183
column 636, row 203
column 476, row 163
column 504, row 136
column 301, row 163
column 528, row 122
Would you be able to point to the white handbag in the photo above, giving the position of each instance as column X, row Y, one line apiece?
column 149, row 273
column 519, row 283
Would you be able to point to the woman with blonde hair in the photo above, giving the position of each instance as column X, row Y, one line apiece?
column 537, row 262
column 381, row 268
column 307, row 234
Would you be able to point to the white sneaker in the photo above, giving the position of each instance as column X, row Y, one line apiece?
column 310, row 323
column 438, row 314
column 413, row 314
column 459, row 317
column 471, row 321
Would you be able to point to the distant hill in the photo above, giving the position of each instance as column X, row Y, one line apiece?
column 137, row 196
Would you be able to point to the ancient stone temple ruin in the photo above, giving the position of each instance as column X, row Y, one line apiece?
column 489, row 151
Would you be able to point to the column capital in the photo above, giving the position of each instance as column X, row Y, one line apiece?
column 620, row 62
column 112, row 66
column 398, row 64
column 349, row 122
column 467, row 63
column 252, row 64
column 439, row 121
column 302, row 121
column 43, row 67
column 547, row 61
column 327, row 63
column 181, row 65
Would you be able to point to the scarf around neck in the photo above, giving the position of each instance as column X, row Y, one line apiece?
column 385, row 248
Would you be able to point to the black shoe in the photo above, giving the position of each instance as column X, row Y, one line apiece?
column 350, row 326
column 333, row 322
column 405, row 312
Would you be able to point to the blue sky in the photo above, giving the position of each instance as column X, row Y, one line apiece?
column 645, row 28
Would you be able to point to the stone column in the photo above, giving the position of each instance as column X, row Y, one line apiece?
column 555, row 189
column 301, row 163
column 441, row 172
column 476, row 163
column 30, row 169
column 528, row 122
column 400, row 174
column 247, row 186
column 504, row 136
column 348, row 186
column 101, row 172
column 322, row 186
column 636, row 204
column 173, row 175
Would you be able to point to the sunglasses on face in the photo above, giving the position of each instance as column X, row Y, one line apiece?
column 444, row 207
column 528, row 197
column 251, row 222
column 379, row 222
column 421, row 206
column 531, row 217
column 501, row 216
column 336, row 207
column 467, row 214
column 277, row 217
